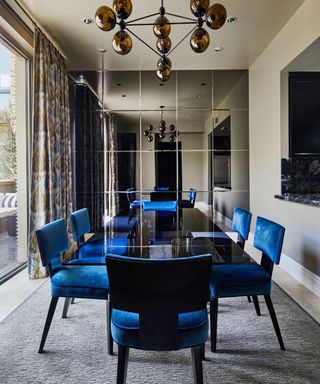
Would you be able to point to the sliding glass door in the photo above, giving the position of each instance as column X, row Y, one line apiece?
column 14, row 90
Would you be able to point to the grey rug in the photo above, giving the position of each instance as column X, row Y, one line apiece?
column 248, row 350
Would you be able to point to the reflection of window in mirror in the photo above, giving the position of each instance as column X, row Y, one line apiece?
column 222, row 154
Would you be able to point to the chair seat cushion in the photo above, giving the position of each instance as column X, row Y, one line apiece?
column 239, row 280
column 96, row 248
column 137, row 204
column 185, row 204
column 193, row 328
column 169, row 206
column 89, row 282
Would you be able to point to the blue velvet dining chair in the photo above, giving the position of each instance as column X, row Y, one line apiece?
column 87, row 282
column 161, row 189
column 80, row 222
column 249, row 279
column 184, row 203
column 159, row 305
column 133, row 202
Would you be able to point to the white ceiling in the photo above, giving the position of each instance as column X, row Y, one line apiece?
column 258, row 23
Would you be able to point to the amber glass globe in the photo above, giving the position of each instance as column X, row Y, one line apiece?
column 216, row 16
column 199, row 7
column 164, row 45
column 122, row 8
column 164, row 73
column 150, row 138
column 122, row 42
column 199, row 40
column 161, row 27
column 105, row 18
column 164, row 61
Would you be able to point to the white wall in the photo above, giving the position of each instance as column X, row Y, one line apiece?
column 302, row 223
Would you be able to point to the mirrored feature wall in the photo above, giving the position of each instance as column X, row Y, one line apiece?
column 161, row 140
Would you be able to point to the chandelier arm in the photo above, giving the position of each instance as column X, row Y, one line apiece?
column 146, row 44
column 182, row 40
column 181, row 17
column 173, row 23
column 142, row 18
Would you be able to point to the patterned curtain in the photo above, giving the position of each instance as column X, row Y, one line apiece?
column 51, row 180
column 113, row 198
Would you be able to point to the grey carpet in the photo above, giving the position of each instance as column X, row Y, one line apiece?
column 248, row 350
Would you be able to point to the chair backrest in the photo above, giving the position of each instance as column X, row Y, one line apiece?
column 161, row 188
column 241, row 224
column 268, row 238
column 158, row 290
column 80, row 222
column 163, row 196
column 52, row 240
column 131, row 195
column 192, row 195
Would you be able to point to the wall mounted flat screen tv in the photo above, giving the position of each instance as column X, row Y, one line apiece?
column 304, row 114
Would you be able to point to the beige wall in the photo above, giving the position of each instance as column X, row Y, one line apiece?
column 302, row 223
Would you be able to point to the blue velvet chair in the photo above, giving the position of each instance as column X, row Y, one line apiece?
column 94, row 248
column 161, row 189
column 188, row 203
column 87, row 282
column 133, row 203
column 249, row 279
column 241, row 224
column 159, row 305
column 167, row 206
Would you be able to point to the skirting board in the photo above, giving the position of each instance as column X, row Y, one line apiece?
column 307, row 278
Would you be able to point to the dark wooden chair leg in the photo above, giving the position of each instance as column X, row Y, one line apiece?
column 213, row 323
column 109, row 336
column 66, row 307
column 123, row 354
column 197, row 365
column 203, row 351
column 73, row 300
column 256, row 305
column 274, row 320
column 249, row 299
column 52, row 308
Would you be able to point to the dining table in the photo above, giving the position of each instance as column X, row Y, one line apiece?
column 161, row 234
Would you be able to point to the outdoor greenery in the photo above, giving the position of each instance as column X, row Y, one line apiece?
column 8, row 155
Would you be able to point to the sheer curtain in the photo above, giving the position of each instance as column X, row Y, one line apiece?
column 51, row 179
column 113, row 198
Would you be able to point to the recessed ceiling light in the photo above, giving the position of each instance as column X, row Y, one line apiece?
column 161, row 84
column 218, row 49
column 87, row 20
column 232, row 19
column 123, row 95
column 203, row 84
column 119, row 84
column 102, row 50
column 198, row 96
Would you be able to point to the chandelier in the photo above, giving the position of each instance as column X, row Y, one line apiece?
column 213, row 16
column 163, row 129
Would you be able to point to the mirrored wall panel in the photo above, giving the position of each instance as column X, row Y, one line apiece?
column 184, row 141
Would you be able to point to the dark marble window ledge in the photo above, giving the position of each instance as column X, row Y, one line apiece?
column 313, row 200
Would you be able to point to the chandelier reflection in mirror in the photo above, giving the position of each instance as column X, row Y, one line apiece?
column 162, row 129
column 213, row 16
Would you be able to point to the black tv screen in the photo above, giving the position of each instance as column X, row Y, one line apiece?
column 304, row 114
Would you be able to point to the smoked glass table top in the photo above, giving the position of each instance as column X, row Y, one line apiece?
column 159, row 234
